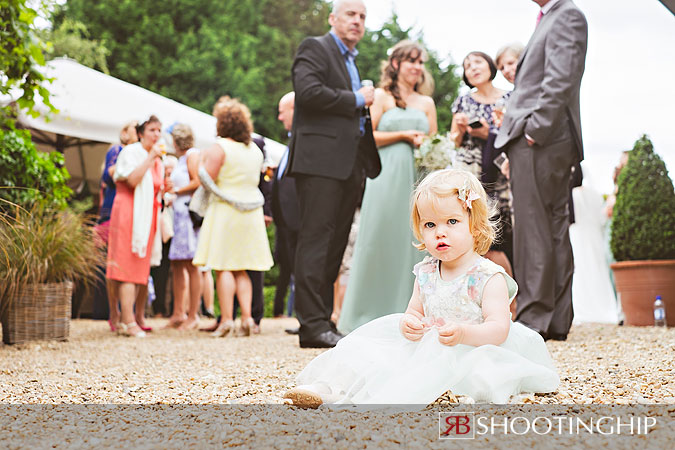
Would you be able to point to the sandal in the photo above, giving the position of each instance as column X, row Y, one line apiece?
column 247, row 326
column 224, row 328
column 124, row 329
column 304, row 398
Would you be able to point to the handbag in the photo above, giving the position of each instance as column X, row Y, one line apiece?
column 198, row 205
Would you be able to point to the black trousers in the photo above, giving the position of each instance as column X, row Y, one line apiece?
column 542, row 250
column 160, row 278
column 326, row 209
column 286, row 241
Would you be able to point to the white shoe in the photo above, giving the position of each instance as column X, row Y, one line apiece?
column 125, row 329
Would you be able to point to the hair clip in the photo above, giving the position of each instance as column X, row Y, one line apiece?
column 466, row 195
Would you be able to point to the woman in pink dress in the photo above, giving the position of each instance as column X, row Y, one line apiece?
column 133, row 223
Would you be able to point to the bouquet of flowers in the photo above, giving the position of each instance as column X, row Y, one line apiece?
column 436, row 152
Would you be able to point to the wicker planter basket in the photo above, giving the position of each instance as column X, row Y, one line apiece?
column 39, row 311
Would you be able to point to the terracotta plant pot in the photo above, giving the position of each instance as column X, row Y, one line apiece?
column 639, row 282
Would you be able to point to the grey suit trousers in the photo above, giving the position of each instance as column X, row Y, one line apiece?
column 542, row 249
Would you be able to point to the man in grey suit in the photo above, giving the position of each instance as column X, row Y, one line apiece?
column 541, row 133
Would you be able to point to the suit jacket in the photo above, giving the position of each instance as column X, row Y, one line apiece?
column 545, row 99
column 325, row 137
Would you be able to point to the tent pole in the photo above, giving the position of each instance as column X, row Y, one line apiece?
column 79, row 151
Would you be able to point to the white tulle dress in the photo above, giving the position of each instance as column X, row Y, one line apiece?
column 376, row 365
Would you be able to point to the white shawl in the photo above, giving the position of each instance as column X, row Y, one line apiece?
column 129, row 158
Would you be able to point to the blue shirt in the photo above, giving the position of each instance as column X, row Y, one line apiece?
column 349, row 56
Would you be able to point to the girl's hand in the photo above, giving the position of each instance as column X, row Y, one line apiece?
column 411, row 327
column 419, row 139
column 451, row 334
column 411, row 136
column 482, row 132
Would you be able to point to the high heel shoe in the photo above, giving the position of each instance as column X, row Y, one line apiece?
column 124, row 329
column 224, row 328
column 247, row 325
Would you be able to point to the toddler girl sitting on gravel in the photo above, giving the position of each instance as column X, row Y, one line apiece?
column 456, row 333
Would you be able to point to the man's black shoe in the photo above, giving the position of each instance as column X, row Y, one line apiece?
column 327, row 339
column 557, row 337
column 292, row 330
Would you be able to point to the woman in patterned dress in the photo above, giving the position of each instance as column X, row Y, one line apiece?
column 186, row 277
column 478, row 106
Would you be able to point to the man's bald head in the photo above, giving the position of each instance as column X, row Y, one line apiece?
column 286, row 107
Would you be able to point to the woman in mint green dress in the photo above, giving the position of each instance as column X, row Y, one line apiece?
column 380, row 280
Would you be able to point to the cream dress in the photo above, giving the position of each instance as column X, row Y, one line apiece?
column 231, row 239
column 375, row 365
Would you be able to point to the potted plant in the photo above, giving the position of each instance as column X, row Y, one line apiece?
column 44, row 246
column 42, row 251
column 643, row 236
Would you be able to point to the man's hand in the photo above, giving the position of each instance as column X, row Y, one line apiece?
column 529, row 140
column 368, row 93
column 451, row 334
column 506, row 169
column 268, row 220
column 411, row 327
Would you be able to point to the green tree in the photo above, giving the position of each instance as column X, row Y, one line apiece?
column 21, row 56
column 71, row 39
column 194, row 51
column 643, row 222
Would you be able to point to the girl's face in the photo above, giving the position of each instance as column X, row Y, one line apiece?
column 445, row 229
column 410, row 69
column 477, row 70
column 507, row 65
column 151, row 134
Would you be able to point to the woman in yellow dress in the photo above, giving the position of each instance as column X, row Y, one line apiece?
column 233, row 239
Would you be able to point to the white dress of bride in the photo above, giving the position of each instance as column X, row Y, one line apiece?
column 375, row 365
column 593, row 298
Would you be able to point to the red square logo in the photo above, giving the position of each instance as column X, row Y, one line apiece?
column 456, row 425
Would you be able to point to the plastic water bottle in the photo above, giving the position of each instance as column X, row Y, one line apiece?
column 659, row 312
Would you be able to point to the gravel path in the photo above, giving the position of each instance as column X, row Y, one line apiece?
column 598, row 364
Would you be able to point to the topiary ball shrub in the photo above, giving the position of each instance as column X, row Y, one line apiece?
column 643, row 222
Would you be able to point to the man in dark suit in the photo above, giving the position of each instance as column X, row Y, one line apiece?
column 285, row 212
column 331, row 151
column 541, row 133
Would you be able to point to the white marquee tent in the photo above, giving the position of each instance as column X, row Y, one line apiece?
column 93, row 107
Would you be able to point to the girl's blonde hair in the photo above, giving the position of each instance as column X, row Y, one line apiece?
column 443, row 185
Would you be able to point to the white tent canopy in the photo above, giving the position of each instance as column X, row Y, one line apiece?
column 93, row 107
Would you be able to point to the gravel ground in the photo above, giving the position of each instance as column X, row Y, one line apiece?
column 174, row 371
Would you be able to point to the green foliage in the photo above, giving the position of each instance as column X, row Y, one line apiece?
column 45, row 245
column 71, row 39
column 28, row 176
column 643, row 223
column 21, row 55
column 194, row 51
